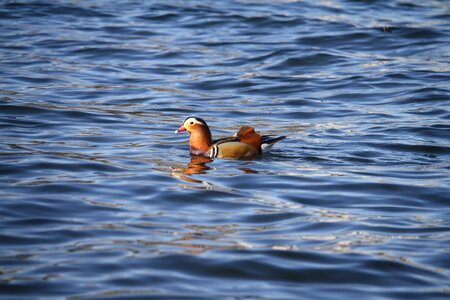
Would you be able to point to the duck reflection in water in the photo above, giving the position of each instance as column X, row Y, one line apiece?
column 199, row 165
column 196, row 165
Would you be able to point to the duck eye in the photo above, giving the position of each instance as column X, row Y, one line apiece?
column 192, row 123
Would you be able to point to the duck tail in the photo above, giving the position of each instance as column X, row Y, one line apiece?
column 268, row 141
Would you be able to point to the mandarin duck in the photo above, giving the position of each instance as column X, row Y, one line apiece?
column 245, row 144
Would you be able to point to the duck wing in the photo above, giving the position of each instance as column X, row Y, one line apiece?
column 226, row 139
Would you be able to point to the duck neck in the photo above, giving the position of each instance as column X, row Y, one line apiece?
column 200, row 141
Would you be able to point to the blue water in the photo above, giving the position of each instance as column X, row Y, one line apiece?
column 99, row 199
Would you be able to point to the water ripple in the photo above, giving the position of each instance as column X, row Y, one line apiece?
column 101, row 200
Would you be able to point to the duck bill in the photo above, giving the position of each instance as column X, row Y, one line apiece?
column 181, row 129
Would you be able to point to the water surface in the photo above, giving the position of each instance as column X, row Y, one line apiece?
column 101, row 199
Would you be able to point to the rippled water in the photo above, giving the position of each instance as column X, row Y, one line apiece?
column 101, row 199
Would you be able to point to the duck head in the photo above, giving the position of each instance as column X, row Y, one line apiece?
column 192, row 124
column 200, row 140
